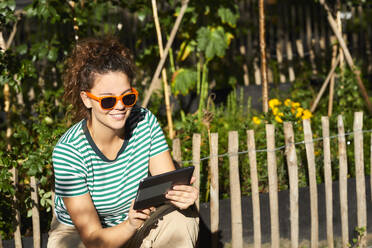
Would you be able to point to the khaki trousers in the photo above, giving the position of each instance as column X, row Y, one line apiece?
column 167, row 227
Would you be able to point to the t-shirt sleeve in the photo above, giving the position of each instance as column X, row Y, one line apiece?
column 69, row 171
column 158, row 142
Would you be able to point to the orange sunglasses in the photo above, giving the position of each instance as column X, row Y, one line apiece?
column 109, row 102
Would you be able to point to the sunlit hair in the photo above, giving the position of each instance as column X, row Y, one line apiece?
column 88, row 58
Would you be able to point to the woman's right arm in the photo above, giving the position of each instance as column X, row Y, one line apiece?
column 85, row 217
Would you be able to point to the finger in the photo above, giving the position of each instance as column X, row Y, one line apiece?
column 179, row 205
column 193, row 179
column 183, row 188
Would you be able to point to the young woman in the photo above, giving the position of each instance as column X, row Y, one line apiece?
column 100, row 160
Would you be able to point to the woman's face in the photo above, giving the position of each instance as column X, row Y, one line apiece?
column 109, row 84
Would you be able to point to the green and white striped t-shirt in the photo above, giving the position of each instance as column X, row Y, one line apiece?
column 80, row 167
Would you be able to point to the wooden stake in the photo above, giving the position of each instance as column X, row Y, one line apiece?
column 196, row 141
column 236, row 202
column 347, row 54
column 343, row 182
column 328, row 180
column 245, row 66
column 291, row 156
column 155, row 78
column 255, row 190
column 359, row 176
column 273, row 186
column 177, row 151
column 164, row 73
column 265, row 98
column 35, row 213
column 324, row 86
column 309, row 145
column 332, row 80
column 214, row 190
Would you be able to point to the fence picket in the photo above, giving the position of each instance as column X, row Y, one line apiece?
column 17, row 232
column 255, row 192
column 196, row 141
column 235, row 199
column 343, row 182
column 309, row 145
column 328, row 180
column 176, row 148
column 214, row 204
column 359, row 175
column 273, row 185
column 35, row 213
column 290, row 152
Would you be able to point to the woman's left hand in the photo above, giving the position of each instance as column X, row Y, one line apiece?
column 183, row 196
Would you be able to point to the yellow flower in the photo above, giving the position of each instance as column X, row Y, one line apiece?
column 275, row 111
column 280, row 114
column 278, row 119
column 256, row 120
column 299, row 112
column 307, row 114
column 287, row 102
column 274, row 102
column 295, row 104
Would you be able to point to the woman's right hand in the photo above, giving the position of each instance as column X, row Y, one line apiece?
column 136, row 218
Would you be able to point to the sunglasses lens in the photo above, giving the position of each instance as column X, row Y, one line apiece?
column 129, row 99
column 108, row 102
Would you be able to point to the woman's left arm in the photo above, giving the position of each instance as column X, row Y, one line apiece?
column 182, row 196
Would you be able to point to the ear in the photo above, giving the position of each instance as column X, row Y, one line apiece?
column 86, row 100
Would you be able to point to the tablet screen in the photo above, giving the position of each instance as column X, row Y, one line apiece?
column 151, row 191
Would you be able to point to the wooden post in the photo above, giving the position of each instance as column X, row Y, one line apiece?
column 35, row 213
column 309, row 145
column 235, row 199
column 196, row 141
column 347, row 54
column 164, row 72
column 288, row 44
column 265, row 97
column 176, row 148
column 257, row 73
column 332, row 80
column 325, row 84
column 273, row 186
column 255, row 190
column 291, row 156
column 359, row 175
column 343, row 182
column 245, row 66
column 309, row 40
column 155, row 77
column 371, row 166
column 214, row 200
column 328, row 180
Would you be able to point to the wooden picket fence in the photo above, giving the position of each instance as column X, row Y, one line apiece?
column 291, row 158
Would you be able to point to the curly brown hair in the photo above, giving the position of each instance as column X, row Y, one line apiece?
column 89, row 57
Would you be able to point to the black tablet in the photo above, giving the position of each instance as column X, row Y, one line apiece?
column 152, row 190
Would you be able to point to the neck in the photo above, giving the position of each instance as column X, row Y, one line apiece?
column 102, row 134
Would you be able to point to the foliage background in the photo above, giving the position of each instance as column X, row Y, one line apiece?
column 202, row 64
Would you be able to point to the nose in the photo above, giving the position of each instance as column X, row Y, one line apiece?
column 119, row 105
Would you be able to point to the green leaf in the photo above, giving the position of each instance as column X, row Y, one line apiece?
column 212, row 41
column 184, row 81
column 227, row 16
